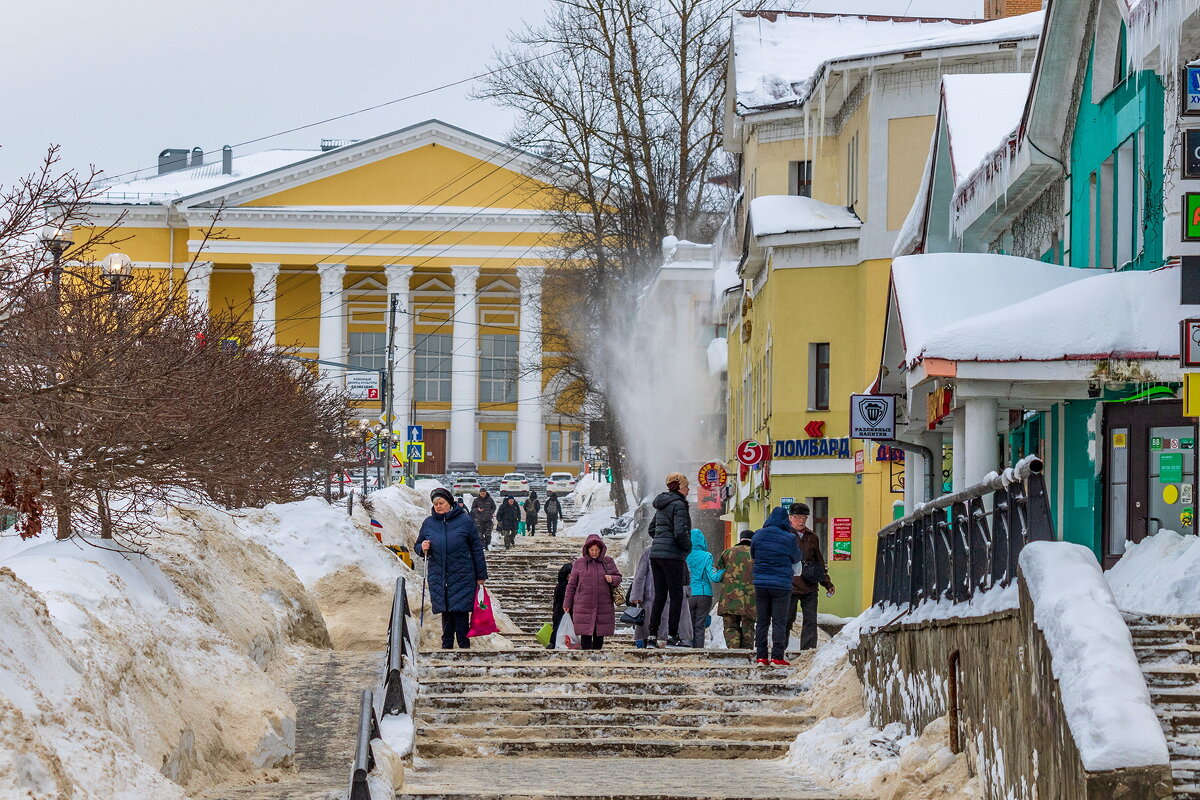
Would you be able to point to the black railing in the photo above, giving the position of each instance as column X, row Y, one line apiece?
column 399, row 646
column 964, row 542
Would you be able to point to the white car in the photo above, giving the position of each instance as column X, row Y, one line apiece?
column 465, row 484
column 560, row 483
column 514, row 483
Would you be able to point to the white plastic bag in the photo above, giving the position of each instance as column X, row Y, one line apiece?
column 566, row 639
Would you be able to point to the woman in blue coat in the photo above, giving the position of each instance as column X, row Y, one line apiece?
column 456, row 566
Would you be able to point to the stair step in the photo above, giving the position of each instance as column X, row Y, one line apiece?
column 1175, row 698
column 483, row 701
column 608, row 747
column 543, row 670
column 622, row 654
column 1168, row 654
column 612, row 686
column 591, row 730
column 676, row 719
column 1172, row 675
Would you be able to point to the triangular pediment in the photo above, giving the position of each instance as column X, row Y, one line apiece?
column 434, row 284
column 425, row 165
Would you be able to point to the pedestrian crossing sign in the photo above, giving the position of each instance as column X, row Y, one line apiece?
column 415, row 451
column 396, row 462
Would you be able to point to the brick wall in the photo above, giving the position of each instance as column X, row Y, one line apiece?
column 995, row 9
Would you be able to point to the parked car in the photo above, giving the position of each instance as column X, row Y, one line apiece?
column 560, row 483
column 465, row 484
column 514, row 483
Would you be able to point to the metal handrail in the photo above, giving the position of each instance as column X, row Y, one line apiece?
column 399, row 645
column 955, row 546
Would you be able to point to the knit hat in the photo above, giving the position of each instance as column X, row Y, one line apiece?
column 798, row 509
column 677, row 481
column 443, row 493
column 746, row 535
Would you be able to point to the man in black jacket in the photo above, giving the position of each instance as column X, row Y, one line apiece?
column 671, row 541
column 483, row 508
column 553, row 511
column 507, row 518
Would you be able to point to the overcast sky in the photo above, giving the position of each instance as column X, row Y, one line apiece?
column 116, row 81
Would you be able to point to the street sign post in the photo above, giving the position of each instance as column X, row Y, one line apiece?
column 873, row 416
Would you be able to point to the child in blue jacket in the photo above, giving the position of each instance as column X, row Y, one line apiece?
column 700, row 565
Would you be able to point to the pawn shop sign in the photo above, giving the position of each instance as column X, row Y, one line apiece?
column 713, row 475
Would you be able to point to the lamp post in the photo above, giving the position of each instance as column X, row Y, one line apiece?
column 55, row 237
column 117, row 268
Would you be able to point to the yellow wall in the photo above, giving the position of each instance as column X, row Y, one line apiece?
column 906, row 137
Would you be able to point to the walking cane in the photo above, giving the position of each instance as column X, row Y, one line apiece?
column 424, row 576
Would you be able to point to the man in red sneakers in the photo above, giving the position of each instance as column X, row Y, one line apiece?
column 775, row 550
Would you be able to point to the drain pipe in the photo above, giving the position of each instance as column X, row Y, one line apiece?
column 925, row 453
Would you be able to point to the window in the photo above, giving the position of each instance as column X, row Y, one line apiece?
column 818, row 376
column 498, row 368
column 432, row 366
column 769, row 382
column 555, row 446
column 1117, row 207
column 800, row 178
column 496, row 445
column 575, row 442
column 819, row 522
column 852, row 171
column 368, row 350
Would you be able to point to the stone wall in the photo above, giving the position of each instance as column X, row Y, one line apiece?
column 1010, row 718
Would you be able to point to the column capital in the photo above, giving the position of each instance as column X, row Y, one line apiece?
column 531, row 278
column 464, row 277
column 398, row 276
column 199, row 270
column 331, row 276
column 264, row 273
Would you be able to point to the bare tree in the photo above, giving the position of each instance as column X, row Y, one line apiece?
column 117, row 397
column 622, row 98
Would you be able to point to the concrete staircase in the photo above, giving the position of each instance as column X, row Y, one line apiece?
column 523, row 579
column 1168, row 649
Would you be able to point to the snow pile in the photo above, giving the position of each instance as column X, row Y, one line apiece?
column 127, row 676
column 981, row 112
column 1140, row 320
column 928, row 288
column 777, row 213
column 1158, row 575
column 1104, row 695
column 351, row 575
column 400, row 509
column 725, row 277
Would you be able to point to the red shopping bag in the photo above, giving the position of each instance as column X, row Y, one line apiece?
column 483, row 621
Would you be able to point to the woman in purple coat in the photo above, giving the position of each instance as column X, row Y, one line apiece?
column 589, row 594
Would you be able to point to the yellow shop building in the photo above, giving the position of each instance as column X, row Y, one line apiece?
column 830, row 118
column 312, row 244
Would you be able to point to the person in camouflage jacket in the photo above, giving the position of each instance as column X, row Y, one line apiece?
column 737, row 593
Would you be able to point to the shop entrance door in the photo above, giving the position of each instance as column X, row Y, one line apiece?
column 1150, row 474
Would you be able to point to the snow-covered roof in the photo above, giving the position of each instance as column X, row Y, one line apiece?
column 937, row 290
column 1130, row 314
column 154, row 188
column 782, row 213
column 778, row 55
column 725, row 277
column 982, row 111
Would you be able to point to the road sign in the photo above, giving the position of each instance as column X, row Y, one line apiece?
column 415, row 451
column 416, row 433
column 713, row 475
column 873, row 416
column 396, row 463
column 363, row 385
column 786, row 502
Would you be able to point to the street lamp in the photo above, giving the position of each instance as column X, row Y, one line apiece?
column 56, row 238
column 117, row 268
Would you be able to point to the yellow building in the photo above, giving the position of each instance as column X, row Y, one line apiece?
column 830, row 117
column 312, row 243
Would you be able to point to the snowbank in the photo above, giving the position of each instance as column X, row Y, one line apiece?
column 1158, row 575
column 775, row 214
column 128, row 676
column 1104, row 695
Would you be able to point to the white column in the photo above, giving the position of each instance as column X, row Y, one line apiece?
column 398, row 277
column 333, row 309
column 199, row 276
column 531, row 430
column 464, row 371
column 265, row 276
column 960, row 449
column 981, row 438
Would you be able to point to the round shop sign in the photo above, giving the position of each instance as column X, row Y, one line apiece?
column 713, row 475
column 751, row 452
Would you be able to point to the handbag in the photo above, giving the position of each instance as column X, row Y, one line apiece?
column 807, row 575
column 633, row 615
column 618, row 595
column 483, row 621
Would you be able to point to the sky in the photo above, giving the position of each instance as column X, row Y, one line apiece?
column 113, row 82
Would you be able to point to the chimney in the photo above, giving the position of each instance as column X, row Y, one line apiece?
column 999, row 9
column 226, row 160
column 197, row 157
column 172, row 159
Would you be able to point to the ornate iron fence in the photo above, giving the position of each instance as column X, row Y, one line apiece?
column 964, row 542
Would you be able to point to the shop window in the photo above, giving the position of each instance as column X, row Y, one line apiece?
column 431, row 358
